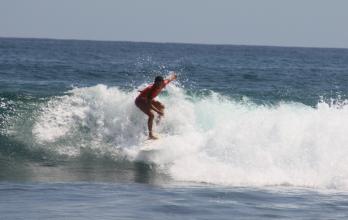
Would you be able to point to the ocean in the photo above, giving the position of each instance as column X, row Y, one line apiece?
column 250, row 132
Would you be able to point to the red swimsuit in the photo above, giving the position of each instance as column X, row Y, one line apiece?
column 142, row 100
column 154, row 92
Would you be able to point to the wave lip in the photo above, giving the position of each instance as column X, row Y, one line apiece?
column 210, row 138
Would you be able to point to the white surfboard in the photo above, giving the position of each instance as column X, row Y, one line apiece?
column 150, row 151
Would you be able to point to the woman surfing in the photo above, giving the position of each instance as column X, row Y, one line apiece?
column 146, row 100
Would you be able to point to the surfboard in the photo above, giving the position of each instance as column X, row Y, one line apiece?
column 150, row 150
column 151, row 145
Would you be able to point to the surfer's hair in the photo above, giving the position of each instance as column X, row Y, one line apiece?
column 158, row 79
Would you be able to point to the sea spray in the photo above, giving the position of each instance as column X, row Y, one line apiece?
column 209, row 139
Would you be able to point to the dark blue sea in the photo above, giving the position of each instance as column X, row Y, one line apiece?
column 249, row 132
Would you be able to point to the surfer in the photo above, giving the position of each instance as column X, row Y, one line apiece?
column 146, row 100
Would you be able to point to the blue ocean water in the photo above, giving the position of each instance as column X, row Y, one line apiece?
column 250, row 132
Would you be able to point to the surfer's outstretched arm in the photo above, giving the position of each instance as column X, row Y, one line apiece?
column 170, row 78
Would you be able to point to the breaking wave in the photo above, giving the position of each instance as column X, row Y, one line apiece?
column 209, row 138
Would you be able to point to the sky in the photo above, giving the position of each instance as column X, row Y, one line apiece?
column 309, row 23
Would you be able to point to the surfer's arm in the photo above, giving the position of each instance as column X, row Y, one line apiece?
column 150, row 105
column 156, row 109
column 170, row 78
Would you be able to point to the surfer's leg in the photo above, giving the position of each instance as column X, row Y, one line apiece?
column 160, row 107
column 149, row 125
column 142, row 105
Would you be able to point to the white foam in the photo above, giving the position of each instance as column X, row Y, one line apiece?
column 211, row 139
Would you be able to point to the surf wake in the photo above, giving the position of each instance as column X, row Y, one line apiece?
column 211, row 139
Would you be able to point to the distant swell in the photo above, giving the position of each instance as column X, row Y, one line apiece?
column 209, row 139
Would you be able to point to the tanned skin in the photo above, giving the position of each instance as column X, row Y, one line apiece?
column 151, row 106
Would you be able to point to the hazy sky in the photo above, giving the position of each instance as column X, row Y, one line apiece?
column 319, row 23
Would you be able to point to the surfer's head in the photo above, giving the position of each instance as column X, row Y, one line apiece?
column 159, row 80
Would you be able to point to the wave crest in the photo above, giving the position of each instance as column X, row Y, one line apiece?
column 208, row 139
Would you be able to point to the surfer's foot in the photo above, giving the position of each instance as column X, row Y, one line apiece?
column 153, row 137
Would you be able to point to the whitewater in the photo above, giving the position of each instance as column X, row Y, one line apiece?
column 250, row 132
column 204, row 139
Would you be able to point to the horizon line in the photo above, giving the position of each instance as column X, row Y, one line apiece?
column 168, row 42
